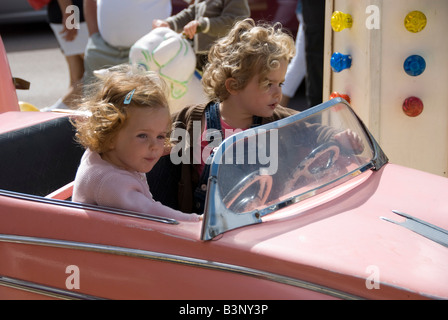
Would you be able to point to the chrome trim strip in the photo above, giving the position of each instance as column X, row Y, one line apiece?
column 78, row 205
column 164, row 257
column 44, row 290
column 421, row 227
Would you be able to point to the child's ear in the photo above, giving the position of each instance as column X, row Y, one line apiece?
column 231, row 84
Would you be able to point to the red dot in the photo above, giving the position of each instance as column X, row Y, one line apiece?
column 412, row 106
column 343, row 96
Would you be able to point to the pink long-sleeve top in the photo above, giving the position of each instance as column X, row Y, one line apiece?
column 101, row 183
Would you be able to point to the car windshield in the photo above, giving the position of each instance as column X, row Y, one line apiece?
column 261, row 170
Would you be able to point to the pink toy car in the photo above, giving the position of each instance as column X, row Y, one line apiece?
column 285, row 218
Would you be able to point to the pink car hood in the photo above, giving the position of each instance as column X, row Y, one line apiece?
column 346, row 245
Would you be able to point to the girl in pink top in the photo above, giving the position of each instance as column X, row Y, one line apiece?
column 124, row 136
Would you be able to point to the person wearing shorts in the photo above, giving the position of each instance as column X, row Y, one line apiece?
column 66, row 19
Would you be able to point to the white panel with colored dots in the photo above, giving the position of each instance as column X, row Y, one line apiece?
column 390, row 59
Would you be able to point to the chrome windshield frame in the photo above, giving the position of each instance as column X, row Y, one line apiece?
column 219, row 219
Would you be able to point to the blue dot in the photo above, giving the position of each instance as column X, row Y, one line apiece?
column 340, row 62
column 414, row 65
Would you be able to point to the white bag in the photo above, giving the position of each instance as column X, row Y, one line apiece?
column 164, row 51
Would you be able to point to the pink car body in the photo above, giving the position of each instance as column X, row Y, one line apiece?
column 334, row 236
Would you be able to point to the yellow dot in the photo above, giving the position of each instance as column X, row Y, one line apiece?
column 415, row 21
column 340, row 21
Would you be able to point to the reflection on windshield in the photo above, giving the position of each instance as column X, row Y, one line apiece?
column 260, row 168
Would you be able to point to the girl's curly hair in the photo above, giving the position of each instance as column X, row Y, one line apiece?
column 247, row 50
column 104, row 105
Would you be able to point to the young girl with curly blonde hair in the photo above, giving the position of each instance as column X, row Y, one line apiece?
column 243, row 80
column 125, row 134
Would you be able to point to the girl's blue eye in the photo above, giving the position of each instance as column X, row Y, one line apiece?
column 142, row 135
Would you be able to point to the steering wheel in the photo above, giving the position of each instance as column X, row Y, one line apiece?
column 253, row 199
column 316, row 163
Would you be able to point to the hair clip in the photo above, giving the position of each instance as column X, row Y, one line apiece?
column 128, row 98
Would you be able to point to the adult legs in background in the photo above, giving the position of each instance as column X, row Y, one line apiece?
column 72, row 35
column 76, row 70
column 314, row 22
